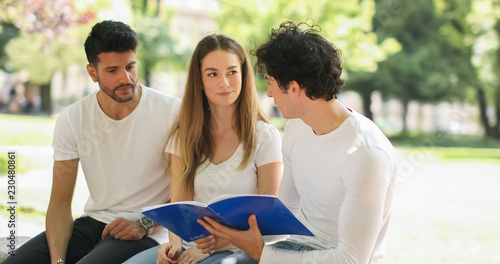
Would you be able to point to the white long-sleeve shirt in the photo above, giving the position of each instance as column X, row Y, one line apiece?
column 340, row 185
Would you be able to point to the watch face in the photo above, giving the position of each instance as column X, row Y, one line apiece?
column 148, row 223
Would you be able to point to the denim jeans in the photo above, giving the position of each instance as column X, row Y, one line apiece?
column 85, row 246
column 290, row 245
column 150, row 256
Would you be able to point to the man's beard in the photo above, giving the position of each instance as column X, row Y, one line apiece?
column 115, row 97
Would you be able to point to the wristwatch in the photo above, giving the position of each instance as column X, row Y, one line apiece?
column 147, row 223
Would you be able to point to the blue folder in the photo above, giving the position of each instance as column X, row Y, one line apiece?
column 273, row 218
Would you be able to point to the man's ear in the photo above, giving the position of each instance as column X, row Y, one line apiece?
column 294, row 88
column 92, row 72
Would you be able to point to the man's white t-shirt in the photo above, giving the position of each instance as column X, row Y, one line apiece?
column 122, row 160
column 340, row 186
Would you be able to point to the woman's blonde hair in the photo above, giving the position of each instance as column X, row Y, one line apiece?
column 191, row 133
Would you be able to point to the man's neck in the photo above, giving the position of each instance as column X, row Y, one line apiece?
column 325, row 116
column 116, row 110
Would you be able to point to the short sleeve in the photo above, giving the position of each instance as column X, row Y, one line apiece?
column 65, row 142
column 171, row 147
column 268, row 146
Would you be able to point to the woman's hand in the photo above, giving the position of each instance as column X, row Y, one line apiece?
column 192, row 255
column 169, row 253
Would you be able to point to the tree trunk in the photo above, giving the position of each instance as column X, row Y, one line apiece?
column 496, row 130
column 46, row 98
column 367, row 103
column 147, row 74
column 496, row 126
column 405, row 103
column 481, row 99
column 144, row 6
column 158, row 5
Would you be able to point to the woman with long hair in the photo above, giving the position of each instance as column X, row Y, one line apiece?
column 221, row 143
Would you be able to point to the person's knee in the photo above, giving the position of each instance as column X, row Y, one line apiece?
column 238, row 257
column 26, row 250
column 148, row 256
column 116, row 251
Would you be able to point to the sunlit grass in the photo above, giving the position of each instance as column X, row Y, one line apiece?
column 26, row 161
column 469, row 154
column 488, row 155
column 16, row 130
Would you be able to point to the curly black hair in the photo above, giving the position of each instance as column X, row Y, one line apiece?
column 304, row 56
column 109, row 36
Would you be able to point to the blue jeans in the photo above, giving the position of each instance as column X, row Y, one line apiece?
column 290, row 245
column 149, row 256
column 85, row 246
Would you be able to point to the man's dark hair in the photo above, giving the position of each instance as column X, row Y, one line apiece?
column 109, row 36
column 304, row 56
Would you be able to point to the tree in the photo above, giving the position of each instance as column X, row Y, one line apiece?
column 45, row 44
column 467, row 25
column 158, row 46
column 7, row 32
column 346, row 23
column 426, row 69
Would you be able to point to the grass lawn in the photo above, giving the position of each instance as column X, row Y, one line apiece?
column 490, row 155
column 26, row 130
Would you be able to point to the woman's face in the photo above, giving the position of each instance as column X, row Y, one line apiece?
column 221, row 77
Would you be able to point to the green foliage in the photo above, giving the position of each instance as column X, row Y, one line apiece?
column 279, row 123
column 428, row 68
column 443, row 139
column 3, row 163
column 41, row 62
column 472, row 29
column 158, row 46
column 261, row 83
column 26, row 212
column 45, row 41
column 346, row 23
column 7, row 32
column 146, row 8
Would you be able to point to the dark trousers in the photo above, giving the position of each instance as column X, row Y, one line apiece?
column 85, row 246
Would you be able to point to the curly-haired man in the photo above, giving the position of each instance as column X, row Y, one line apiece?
column 339, row 168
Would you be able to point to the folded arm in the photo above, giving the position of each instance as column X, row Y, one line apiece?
column 366, row 179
